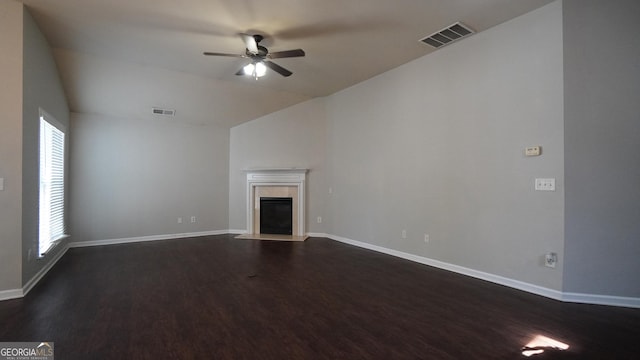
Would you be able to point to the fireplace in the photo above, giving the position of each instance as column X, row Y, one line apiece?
column 276, row 185
column 276, row 215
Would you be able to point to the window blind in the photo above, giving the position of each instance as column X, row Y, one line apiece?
column 51, row 185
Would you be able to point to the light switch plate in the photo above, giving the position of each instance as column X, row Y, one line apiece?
column 548, row 184
column 532, row 151
column 1, row 183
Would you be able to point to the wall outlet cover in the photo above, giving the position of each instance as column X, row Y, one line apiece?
column 550, row 260
column 547, row 184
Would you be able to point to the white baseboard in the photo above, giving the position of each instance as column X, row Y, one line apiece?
column 601, row 300
column 236, row 231
column 40, row 274
column 145, row 238
column 310, row 234
column 516, row 284
column 19, row 293
column 11, row 294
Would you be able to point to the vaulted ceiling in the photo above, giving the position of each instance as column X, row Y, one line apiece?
column 121, row 57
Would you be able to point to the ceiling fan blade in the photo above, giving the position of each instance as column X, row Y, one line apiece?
column 277, row 68
column 224, row 54
column 250, row 43
column 286, row 54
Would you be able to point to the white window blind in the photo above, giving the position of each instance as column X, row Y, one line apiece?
column 51, row 184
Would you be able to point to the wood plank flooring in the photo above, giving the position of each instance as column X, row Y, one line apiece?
column 217, row 297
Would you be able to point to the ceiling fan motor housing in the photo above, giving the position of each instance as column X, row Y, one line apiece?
column 262, row 51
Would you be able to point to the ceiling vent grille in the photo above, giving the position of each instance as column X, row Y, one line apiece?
column 166, row 112
column 448, row 35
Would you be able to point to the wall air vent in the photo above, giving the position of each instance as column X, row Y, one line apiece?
column 448, row 35
column 166, row 112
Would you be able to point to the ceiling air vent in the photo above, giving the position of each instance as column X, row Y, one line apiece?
column 166, row 112
column 448, row 35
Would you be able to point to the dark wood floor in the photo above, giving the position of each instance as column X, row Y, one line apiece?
column 221, row 298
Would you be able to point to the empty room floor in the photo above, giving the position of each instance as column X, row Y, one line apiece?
column 217, row 297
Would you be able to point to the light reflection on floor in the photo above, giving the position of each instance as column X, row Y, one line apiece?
column 541, row 343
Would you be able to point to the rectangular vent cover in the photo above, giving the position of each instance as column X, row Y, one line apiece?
column 166, row 112
column 448, row 35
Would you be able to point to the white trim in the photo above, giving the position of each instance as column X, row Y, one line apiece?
column 237, row 231
column 11, row 294
column 40, row 274
column 54, row 244
column 145, row 238
column 310, row 234
column 20, row 293
column 500, row 280
column 601, row 300
column 51, row 120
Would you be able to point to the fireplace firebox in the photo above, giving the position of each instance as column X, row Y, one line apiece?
column 276, row 215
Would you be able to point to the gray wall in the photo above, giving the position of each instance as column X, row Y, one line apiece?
column 42, row 89
column 133, row 173
column 11, row 19
column 293, row 137
column 436, row 146
column 602, row 138
column 135, row 177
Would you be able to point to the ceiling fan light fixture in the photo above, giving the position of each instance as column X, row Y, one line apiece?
column 259, row 63
column 256, row 70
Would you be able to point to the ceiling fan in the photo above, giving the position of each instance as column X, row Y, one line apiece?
column 260, row 57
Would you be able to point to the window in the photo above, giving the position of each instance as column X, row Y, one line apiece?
column 51, row 182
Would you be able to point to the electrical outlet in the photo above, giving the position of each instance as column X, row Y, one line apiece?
column 550, row 260
column 545, row 184
column 179, row 220
column 193, row 219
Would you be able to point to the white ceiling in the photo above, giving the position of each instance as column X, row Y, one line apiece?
column 119, row 57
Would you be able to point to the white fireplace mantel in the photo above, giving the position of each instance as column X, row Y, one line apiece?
column 294, row 177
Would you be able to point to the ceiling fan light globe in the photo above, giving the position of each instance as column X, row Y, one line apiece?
column 248, row 69
column 260, row 69
column 255, row 69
